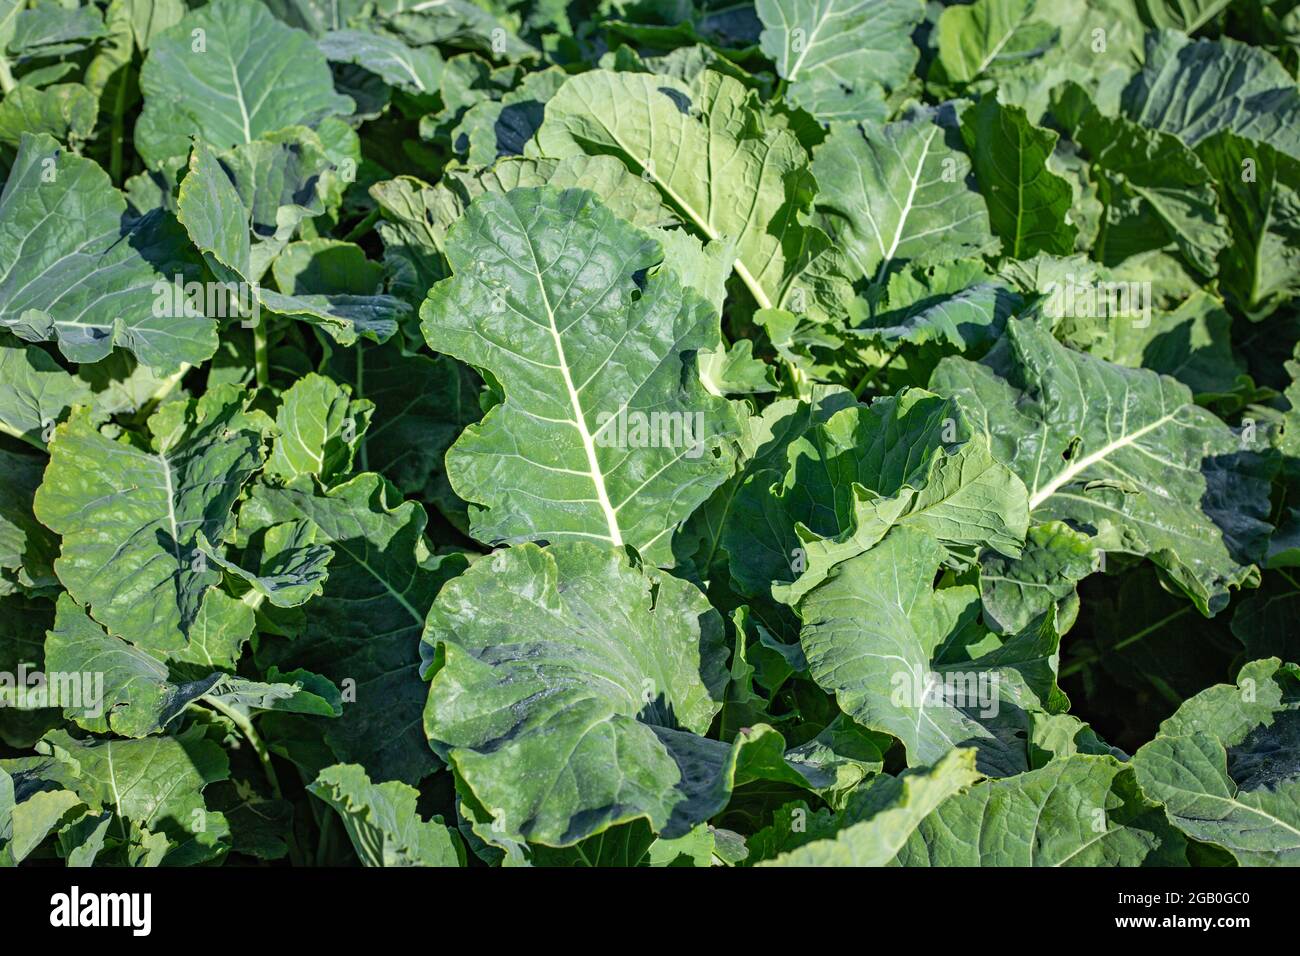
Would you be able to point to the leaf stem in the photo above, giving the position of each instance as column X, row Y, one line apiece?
column 117, row 134
column 261, row 354
column 363, row 227
column 1081, row 663
column 166, row 386
column 6, row 78
column 869, row 376
column 246, row 728
column 254, row 740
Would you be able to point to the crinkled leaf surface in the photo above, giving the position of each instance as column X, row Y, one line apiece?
column 891, row 648
column 839, row 57
column 903, row 460
column 751, row 186
column 363, row 630
column 885, row 813
column 1225, row 765
column 1124, row 451
column 129, row 516
column 251, row 76
column 76, row 269
column 899, row 192
column 1196, row 88
column 383, row 823
column 1083, row 810
column 544, row 296
column 590, row 676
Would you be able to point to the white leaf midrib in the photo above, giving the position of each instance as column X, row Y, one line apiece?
column 1076, row 468
column 579, row 420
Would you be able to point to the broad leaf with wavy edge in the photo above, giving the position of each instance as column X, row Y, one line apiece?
column 571, row 691
column 240, row 209
column 417, row 71
column 1132, row 163
column 254, row 76
column 893, row 651
column 982, row 36
column 1225, row 765
column 35, row 391
column 364, row 626
column 319, row 426
column 752, row 185
column 138, row 696
column 544, row 297
column 1082, row 810
column 1029, row 205
column 130, row 516
column 154, row 785
column 839, row 57
column 1196, row 88
column 899, row 192
column 1260, row 269
column 1124, row 451
column 844, row 480
column 292, row 568
column 884, row 813
column 382, row 820
column 76, row 269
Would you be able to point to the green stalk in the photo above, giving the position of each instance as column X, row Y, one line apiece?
column 250, row 734
column 261, row 354
column 264, row 758
column 363, row 227
column 117, row 134
column 167, row 385
column 6, row 78
column 870, row 375
column 1133, row 638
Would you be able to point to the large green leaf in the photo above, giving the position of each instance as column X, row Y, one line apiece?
column 34, row 391
column 242, row 75
column 899, row 192
column 752, row 188
column 840, row 56
column 1225, row 765
column 25, row 822
column 27, row 549
column 884, row 813
column 987, row 34
column 544, row 297
column 319, row 428
column 839, row 486
column 383, row 823
column 1084, row 810
column 418, row 71
column 1259, row 190
column 153, row 785
column 362, row 631
column 571, row 692
column 1154, row 170
column 131, row 693
column 1196, row 88
column 76, row 269
column 1029, row 205
column 137, row 697
column 1123, row 451
column 130, row 516
column 906, row 659
column 241, row 208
